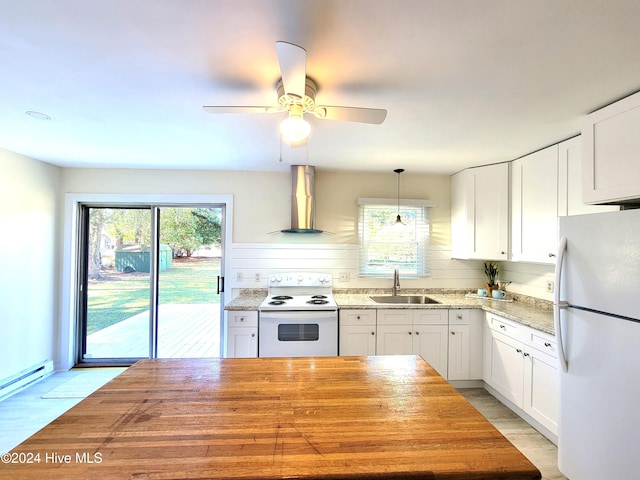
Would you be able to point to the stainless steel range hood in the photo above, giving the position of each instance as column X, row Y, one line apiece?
column 303, row 201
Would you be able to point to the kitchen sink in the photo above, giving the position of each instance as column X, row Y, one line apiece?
column 412, row 299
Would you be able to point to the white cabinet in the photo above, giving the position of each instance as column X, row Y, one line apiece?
column 242, row 334
column 520, row 363
column 357, row 332
column 570, row 181
column 611, row 152
column 465, row 344
column 534, row 207
column 421, row 332
column 480, row 213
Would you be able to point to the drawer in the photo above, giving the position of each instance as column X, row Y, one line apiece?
column 357, row 317
column 242, row 319
column 507, row 327
column 543, row 342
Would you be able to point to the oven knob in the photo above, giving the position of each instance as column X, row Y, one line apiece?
column 300, row 278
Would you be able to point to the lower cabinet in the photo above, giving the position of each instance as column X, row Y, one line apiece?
column 242, row 334
column 357, row 333
column 465, row 344
column 520, row 364
column 421, row 332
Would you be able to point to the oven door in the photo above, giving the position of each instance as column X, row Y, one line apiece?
column 298, row 334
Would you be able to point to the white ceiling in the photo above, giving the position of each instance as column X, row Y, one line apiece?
column 465, row 82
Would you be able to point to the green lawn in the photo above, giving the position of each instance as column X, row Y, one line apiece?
column 122, row 295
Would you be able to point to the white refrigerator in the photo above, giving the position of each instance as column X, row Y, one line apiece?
column 597, row 322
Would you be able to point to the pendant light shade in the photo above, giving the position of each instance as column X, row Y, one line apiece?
column 399, row 221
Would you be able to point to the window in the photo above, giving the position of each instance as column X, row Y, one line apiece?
column 385, row 246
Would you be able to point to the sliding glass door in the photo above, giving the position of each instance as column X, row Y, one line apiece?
column 148, row 282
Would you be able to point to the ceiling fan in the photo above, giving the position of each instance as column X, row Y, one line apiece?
column 297, row 95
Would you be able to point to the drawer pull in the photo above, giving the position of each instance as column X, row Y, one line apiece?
column 253, row 335
column 373, row 333
column 526, row 354
column 453, row 333
column 503, row 327
column 547, row 344
column 358, row 317
column 410, row 333
column 518, row 350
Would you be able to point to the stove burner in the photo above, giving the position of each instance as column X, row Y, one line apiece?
column 281, row 297
column 277, row 302
column 317, row 301
column 319, row 297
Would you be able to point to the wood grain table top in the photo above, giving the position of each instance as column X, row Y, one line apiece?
column 385, row 417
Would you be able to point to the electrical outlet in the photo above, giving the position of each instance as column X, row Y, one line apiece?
column 239, row 277
column 550, row 286
column 257, row 276
column 344, row 276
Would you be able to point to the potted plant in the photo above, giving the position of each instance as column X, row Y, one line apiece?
column 491, row 271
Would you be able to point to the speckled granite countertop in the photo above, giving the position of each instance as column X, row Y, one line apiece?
column 528, row 311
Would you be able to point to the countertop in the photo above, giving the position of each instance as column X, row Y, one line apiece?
column 528, row 311
column 320, row 418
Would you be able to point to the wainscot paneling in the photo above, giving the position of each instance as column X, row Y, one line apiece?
column 252, row 263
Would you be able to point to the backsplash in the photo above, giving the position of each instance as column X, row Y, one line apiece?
column 252, row 263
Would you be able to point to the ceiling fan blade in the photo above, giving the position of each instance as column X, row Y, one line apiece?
column 351, row 114
column 240, row 109
column 293, row 68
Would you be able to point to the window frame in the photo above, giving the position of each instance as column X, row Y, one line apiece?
column 422, row 233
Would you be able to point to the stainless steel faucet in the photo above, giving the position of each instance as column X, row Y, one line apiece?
column 396, row 282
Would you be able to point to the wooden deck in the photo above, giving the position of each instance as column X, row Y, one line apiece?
column 184, row 331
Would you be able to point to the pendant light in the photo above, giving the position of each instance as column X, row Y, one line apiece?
column 399, row 221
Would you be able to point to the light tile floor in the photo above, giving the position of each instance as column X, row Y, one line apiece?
column 26, row 412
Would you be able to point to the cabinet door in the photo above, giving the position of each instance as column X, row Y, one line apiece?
column 504, row 366
column 570, row 181
column 357, row 340
column 242, row 342
column 611, row 142
column 541, row 388
column 480, row 213
column 394, row 339
column 534, row 181
column 458, row 353
column 430, row 342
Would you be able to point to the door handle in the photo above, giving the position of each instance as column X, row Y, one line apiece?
column 220, row 287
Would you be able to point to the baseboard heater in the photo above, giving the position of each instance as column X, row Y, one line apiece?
column 19, row 380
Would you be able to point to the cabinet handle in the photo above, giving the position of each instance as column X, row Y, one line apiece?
column 253, row 335
column 459, row 317
column 547, row 344
column 503, row 327
column 526, row 354
column 409, row 333
column 373, row 333
column 551, row 255
column 358, row 317
column 453, row 333
column 502, row 253
column 242, row 319
column 518, row 350
column 417, row 333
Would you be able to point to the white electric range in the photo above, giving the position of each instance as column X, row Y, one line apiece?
column 299, row 317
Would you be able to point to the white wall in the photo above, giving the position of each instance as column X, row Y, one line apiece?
column 29, row 227
column 262, row 206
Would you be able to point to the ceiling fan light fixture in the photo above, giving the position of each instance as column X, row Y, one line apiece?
column 295, row 129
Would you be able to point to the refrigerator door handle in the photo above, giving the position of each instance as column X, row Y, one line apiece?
column 559, row 305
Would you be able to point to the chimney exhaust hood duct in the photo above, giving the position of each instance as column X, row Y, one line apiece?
column 303, row 201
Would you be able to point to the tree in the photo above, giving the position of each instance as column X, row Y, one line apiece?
column 186, row 229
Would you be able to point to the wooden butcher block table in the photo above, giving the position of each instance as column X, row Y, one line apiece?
column 387, row 417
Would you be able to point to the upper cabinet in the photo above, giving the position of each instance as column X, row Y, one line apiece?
column 534, row 207
column 570, row 181
column 611, row 161
column 480, row 213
